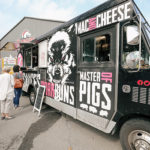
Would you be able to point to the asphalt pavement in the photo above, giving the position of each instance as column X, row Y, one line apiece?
column 51, row 131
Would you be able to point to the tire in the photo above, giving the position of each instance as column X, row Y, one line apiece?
column 24, row 93
column 32, row 96
column 135, row 135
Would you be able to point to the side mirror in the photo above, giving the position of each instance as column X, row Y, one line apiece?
column 132, row 34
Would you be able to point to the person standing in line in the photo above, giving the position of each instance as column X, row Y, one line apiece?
column 6, row 92
column 17, row 75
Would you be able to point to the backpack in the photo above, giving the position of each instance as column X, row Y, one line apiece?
column 18, row 83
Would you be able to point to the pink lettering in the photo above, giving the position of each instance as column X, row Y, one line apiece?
column 107, row 79
column 52, row 90
column 44, row 84
column 49, row 88
column 106, row 74
column 92, row 23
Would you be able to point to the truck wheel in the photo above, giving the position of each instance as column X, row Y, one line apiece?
column 32, row 96
column 135, row 135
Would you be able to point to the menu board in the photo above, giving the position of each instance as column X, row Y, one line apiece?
column 39, row 99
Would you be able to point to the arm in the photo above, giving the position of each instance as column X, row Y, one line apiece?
column 12, row 80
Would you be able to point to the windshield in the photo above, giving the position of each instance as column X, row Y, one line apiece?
column 145, row 25
column 147, row 33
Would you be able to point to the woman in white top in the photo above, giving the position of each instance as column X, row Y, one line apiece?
column 6, row 92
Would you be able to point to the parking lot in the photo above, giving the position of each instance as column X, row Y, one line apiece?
column 51, row 131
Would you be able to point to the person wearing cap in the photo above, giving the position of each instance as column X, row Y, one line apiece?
column 6, row 92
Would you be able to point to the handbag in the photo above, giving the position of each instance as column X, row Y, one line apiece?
column 18, row 83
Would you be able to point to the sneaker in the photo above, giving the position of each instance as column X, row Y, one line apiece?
column 8, row 118
column 2, row 118
column 15, row 107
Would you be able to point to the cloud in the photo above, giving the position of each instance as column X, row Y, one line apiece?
column 98, row 2
column 140, row 1
column 80, row 1
column 22, row 3
column 50, row 10
column 6, row 3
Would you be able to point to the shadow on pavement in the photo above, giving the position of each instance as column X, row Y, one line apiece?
column 48, row 119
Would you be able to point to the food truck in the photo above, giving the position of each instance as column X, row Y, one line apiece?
column 96, row 68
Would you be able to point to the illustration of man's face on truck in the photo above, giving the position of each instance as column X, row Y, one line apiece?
column 60, row 59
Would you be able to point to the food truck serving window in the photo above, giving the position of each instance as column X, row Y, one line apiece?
column 27, row 57
column 34, row 57
column 31, row 57
column 96, row 48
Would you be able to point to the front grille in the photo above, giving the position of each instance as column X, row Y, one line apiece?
column 141, row 95
column 149, row 96
column 135, row 94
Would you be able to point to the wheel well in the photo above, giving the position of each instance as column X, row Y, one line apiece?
column 30, row 88
column 126, row 118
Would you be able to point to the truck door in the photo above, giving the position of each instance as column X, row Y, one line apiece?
column 98, row 77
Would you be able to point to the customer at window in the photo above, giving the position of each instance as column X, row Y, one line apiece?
column 6, row 92
column 17, row 91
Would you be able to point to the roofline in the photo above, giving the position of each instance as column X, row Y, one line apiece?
column 30, row 18
column 45, row 19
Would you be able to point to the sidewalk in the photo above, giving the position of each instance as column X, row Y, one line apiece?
column 24, row 102
column 12, row 131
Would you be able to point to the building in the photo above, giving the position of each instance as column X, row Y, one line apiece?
column 24, row 32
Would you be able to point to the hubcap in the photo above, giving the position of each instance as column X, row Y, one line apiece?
column 139, row 140
column 32, row 96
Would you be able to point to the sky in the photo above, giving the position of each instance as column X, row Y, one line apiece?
column 12, row 11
